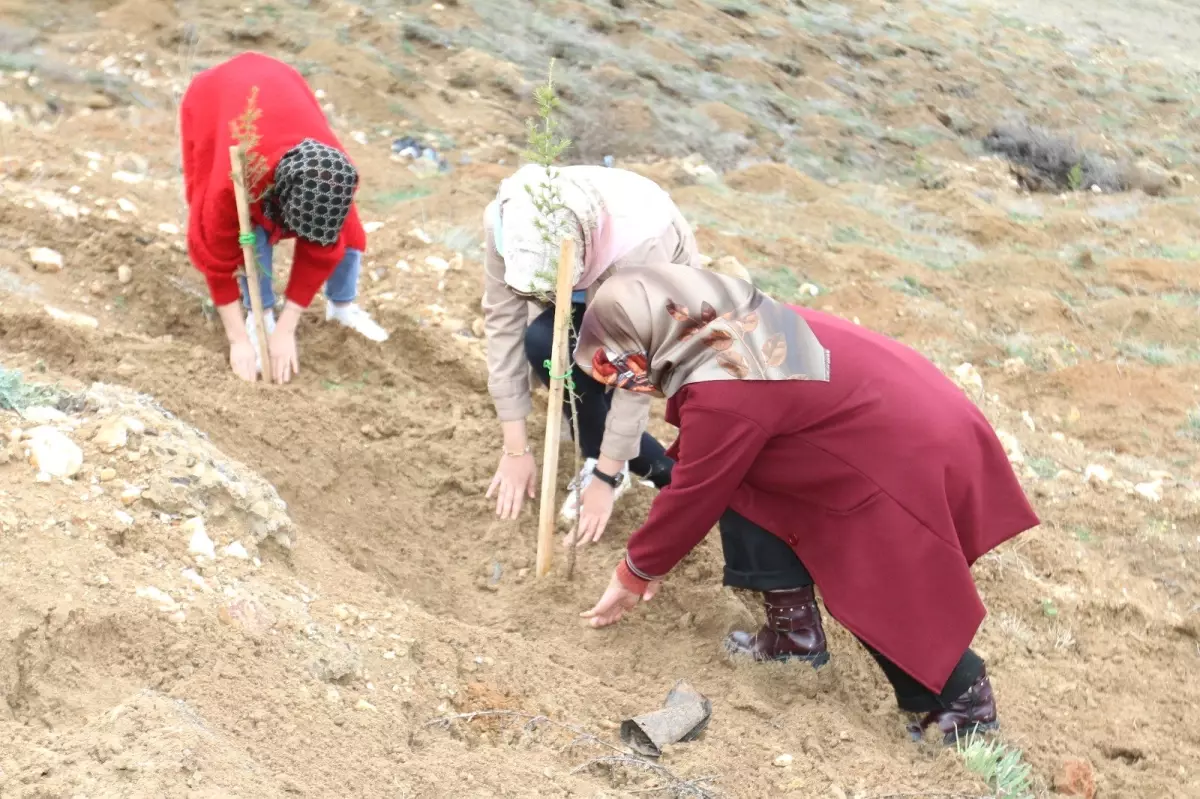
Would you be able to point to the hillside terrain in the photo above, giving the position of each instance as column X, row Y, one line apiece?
column 259, row 591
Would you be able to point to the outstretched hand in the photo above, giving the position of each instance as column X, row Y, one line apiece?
column 616, row 601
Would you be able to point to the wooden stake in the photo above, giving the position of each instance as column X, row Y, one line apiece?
column 559, row 365
column 256, row 307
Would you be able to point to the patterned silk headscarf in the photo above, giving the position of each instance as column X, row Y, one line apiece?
column 656, row 329
column 313, row 191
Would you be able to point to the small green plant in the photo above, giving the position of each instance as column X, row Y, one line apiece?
column 911, row 286
column 999, row 764
column 544, row 146
column 1049, row 609
column 1075, row 177
column 17, row 395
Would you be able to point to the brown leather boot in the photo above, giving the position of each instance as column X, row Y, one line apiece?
column 973, row 712
column 793, row 630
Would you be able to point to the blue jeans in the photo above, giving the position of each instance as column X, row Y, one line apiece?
column 341, row 287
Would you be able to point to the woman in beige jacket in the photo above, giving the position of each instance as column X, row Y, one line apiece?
column 618, row 219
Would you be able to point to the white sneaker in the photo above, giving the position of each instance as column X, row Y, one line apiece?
column 355, row 318
column 269, row 319
column 570, row 508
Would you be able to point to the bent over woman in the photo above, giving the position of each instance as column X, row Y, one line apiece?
column 304, row 190
column 618, row 220
column 830, row 456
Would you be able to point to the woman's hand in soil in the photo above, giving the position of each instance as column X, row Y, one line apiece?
column 595, row 509
column 241, row 358
column 515, row 478
column 616, row 601
column 285, row 361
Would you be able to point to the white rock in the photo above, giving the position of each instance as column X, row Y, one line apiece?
column 45, row 259
column 160, row 597
column 199, row 543
column 195, row 579
column 362, row 139
column 1151, row 491
column 810, row 290
column 968, row 376
column 1058, row 436
column 126, row 177
column 1028, row 420
column 1012, row 447
column 124, row 274
column 420, row 235
column 371, row 227
column 44, row 414
column 131, row 495
column 134, row 425
column 126, row 206
column 437, row 264
column 77, row 319
column 54, row 454
column 783, row 761
column 1095, row 473
column 236, row 550
column 123, row 517
column 403, row 266
column 168, row 228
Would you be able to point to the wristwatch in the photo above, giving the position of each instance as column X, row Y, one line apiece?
column 606, row 478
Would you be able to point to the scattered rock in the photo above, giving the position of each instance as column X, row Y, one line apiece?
column 199, row 543
column 1015, row 366
column 1151, row 491
column 165, row 603
column 106, row 474
column 968, row 376
column 124, row 274
column 44, row 414
column 363, row 704
column 112, row 435
column 1095, row 473
column 1076, row 778
column 236, row 550
column 53, row 453
column 46, row 260
column 77, row 319
column 131, row 495
column 783, row 761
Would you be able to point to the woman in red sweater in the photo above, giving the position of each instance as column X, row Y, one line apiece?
column 828, row 454
column 303, row 189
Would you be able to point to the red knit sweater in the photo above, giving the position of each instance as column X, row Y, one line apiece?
column 290, row 114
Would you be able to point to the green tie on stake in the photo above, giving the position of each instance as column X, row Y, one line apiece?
column 246, row 239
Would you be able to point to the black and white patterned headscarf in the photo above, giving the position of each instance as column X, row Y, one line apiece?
column 313, row 190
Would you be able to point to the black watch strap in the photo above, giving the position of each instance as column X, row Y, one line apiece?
column 606, row 478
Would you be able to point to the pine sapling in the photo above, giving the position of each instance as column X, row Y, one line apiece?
column 545, row 146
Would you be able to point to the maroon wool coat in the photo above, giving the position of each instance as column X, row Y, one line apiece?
column 886, row 481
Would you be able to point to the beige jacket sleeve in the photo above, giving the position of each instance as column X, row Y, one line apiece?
column 505, row 316
column 623, row 428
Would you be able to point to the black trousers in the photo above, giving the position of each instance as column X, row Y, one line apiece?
column 592, row 400
column 758, row 561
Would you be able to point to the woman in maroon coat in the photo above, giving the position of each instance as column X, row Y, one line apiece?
column 829, row 455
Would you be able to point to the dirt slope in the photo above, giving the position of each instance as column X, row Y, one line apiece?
column 844, row 155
